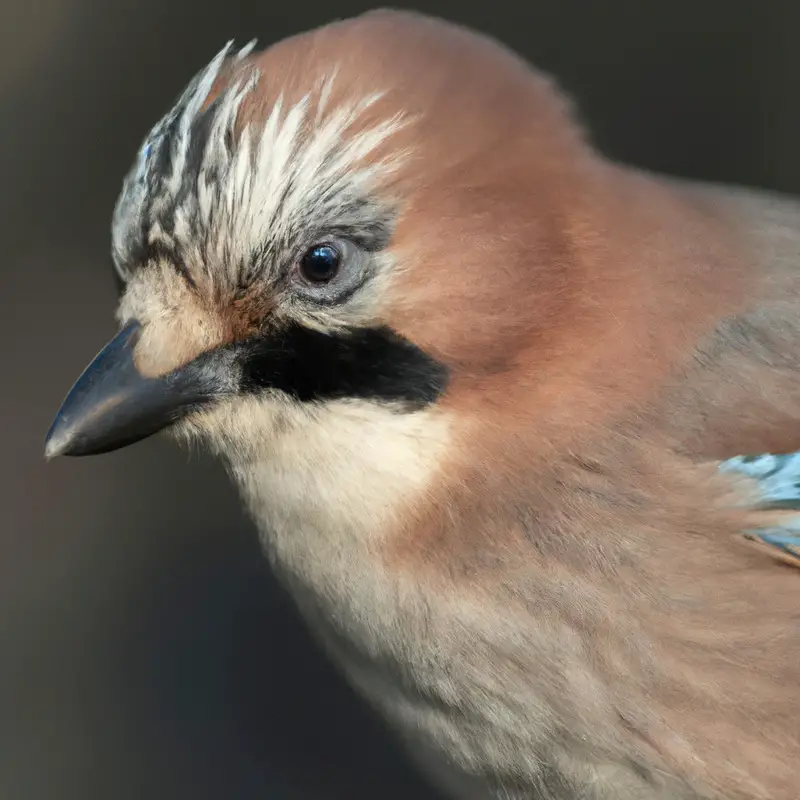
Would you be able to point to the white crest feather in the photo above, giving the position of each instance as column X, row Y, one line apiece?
column 305, row 163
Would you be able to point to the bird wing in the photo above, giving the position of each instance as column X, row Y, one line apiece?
column 777, row 480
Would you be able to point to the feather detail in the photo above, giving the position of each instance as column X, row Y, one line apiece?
column 778, row 480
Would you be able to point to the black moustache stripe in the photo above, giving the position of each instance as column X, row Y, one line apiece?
column 370, row 363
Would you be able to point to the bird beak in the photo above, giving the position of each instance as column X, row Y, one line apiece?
column 113, row 405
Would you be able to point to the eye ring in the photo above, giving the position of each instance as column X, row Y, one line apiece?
column 321, row 263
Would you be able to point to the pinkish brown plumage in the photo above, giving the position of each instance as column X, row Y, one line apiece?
column 485, row 394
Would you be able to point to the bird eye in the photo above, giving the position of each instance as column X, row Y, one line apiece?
column 320, row 263
column 329, row 272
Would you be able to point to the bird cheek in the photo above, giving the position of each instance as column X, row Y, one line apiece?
column 240, row 429
column 176, row 325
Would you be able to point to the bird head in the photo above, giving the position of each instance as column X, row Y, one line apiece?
column 371, row 213
column 381, row 241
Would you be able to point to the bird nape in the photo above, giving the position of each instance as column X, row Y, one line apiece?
column 489, row 398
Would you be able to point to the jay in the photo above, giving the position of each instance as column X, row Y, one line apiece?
column 517, row 424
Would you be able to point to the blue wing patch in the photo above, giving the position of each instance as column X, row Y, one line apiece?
column 778, row 479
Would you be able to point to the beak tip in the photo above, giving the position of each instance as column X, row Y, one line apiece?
column 112, row 405
column 55, row 445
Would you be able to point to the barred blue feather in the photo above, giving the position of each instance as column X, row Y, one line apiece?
column 778, row 479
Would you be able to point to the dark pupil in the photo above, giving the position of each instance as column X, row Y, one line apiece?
column 320, row 263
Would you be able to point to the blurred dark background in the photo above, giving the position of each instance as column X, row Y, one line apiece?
column 144, row 649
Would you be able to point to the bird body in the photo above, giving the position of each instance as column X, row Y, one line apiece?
column 487, row 395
